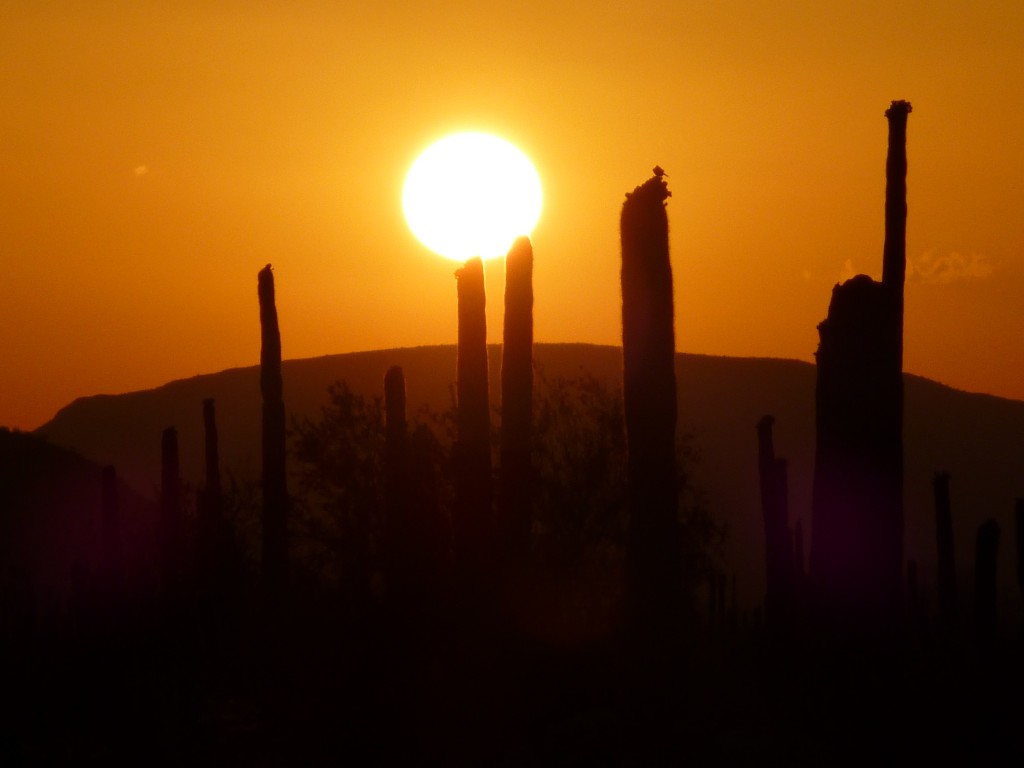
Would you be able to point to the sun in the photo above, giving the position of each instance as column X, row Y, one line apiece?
column 471, row 194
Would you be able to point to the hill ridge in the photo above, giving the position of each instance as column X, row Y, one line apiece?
column 974, row 436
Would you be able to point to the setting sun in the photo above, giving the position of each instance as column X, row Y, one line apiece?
column 471, row 194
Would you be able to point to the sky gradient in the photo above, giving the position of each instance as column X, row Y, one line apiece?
column 154, row 156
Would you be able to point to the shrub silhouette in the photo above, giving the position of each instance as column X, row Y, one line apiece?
column 578, row 518
column 340, row 494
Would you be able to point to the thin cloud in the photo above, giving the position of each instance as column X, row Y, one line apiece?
column 848, row 271
column 955, row 267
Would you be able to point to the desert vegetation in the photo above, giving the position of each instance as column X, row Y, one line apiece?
column 537, row 581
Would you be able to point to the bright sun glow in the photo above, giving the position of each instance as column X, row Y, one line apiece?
column 471, row 194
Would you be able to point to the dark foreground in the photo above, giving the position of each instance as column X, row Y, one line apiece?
column 197, row 683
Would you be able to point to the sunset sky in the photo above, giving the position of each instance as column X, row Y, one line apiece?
column 155, row 155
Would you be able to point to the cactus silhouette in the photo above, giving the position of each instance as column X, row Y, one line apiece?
column 171, row 519
column 212, row 533
column 274, row 479
column 111, row 547
column 517, row 399
column 217, row 558
column 1018, row 520
column 212, row 496
column 945, row 581
column 985, row 579
column 649, row 404
column 857, row 506
column 471, row 454
column 778, row 538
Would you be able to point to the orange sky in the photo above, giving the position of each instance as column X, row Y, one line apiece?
column 155, row 155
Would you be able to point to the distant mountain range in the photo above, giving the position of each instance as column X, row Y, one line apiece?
column 979, row 439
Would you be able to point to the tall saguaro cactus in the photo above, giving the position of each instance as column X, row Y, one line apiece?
column 857, row 507
column 472, row 451
column 517, row 398
column 649, row 398
column 274, row 481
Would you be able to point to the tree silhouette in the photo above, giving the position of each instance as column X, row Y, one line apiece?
column 340, row 499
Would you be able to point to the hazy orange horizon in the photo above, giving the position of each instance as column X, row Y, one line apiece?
column 153, row 158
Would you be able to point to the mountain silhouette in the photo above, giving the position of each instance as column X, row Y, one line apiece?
column 974, row 437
